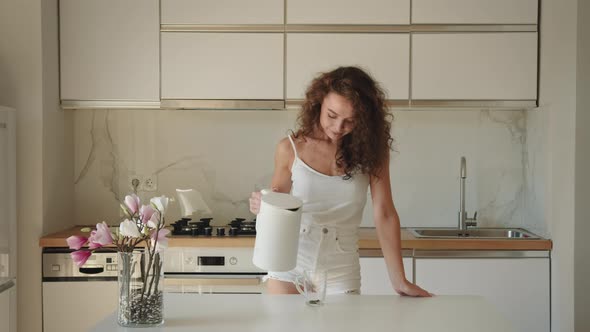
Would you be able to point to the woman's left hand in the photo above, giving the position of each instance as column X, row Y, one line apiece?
column 407, row 288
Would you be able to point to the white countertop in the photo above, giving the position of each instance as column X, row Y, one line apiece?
column 341, row 313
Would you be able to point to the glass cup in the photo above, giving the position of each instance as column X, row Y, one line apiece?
column 312, row 285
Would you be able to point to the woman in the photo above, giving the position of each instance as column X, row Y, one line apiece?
column 340, row 149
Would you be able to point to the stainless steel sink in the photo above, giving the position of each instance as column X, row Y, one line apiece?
column 477, row 233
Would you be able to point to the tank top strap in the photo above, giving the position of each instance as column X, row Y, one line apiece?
column 293, row 145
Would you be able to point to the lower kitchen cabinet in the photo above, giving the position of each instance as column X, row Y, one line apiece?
column 374, row 277
column 519, row 287
column 78, row 305
column 7, row 310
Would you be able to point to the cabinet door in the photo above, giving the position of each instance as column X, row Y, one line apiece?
column 222, row 65
column 500, row 66
column 348, row 12
column 474, row 11
column 222, row 12
column 5, row 311
column 8, row 245
column 109, row 50
column 384, row 56
column 8, row 309
column 374, row 276
column 6, row 161
column 518, row 287
column 77, row 306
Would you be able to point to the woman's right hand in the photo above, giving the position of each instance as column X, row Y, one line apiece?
column 255, row 202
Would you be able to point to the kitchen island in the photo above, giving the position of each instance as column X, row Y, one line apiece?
column 341, row 313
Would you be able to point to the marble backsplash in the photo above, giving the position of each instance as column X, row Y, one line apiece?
column 227, row 154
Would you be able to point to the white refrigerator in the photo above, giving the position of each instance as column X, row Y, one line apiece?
column 7, row 219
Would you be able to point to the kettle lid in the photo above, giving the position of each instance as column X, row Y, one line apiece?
column 282, row 201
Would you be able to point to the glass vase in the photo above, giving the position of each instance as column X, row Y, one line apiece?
column 141, row 289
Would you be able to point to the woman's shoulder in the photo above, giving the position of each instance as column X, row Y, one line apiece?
column 285, row 149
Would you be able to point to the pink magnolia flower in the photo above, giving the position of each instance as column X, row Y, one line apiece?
column 132, row 202
column 145, row 213
column 76, row 242
column 161, row 203
column 80, row 257
column 153, row 222
column 129, row 228
column 101, row 236
column 162, row 243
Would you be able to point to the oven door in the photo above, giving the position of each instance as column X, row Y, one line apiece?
column 201, row 283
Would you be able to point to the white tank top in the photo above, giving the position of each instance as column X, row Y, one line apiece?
column 328, row 200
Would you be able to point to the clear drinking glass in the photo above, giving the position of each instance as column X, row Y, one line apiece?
column 312, row 285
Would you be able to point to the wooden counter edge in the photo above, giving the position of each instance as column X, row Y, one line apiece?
column 367, row 241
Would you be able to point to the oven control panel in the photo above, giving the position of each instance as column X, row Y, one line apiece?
column 61, row 265
column 210, row 260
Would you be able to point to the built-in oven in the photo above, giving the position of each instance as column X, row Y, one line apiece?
column 212, row 270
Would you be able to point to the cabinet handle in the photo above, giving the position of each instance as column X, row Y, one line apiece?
column 91, row 270
column 6, row 286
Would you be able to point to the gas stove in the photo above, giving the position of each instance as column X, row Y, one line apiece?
column 202, row 227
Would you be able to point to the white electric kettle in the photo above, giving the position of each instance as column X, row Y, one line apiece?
column 277, row 232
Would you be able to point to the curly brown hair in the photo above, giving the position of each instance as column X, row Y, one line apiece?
column 366, row 148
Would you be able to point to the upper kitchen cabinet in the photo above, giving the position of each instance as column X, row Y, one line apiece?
column 222, row 12
column 384, row 55
column 474, row 11
column 348, row 12
column 475, row 66
column 221, row 66
column 109, row 53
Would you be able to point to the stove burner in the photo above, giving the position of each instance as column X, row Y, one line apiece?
column 202, row 227
column 239, row 226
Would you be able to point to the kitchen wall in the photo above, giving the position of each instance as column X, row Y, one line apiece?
column 28, row 82
column 582, row 246
column 58, row 143
column 555, row 124
column 227, row 154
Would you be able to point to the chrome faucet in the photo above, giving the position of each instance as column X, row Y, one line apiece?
column 464, row 221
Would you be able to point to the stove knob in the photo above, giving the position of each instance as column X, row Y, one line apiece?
column 208, row 231
column 233, row 231
column 221, row 232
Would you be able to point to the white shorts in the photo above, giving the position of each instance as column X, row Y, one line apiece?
column 327, row 248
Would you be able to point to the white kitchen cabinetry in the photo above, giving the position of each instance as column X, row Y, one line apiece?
column 8, row 245
column 109, row 50
column 374, row 276
column 519, row 287
column 474, row 11
column 222, row 12
column 385, row 56
column 348, row 12
column 222, row 65
column 63, row 310
column 5, row 310
column 7, row 306
column 474, row 66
